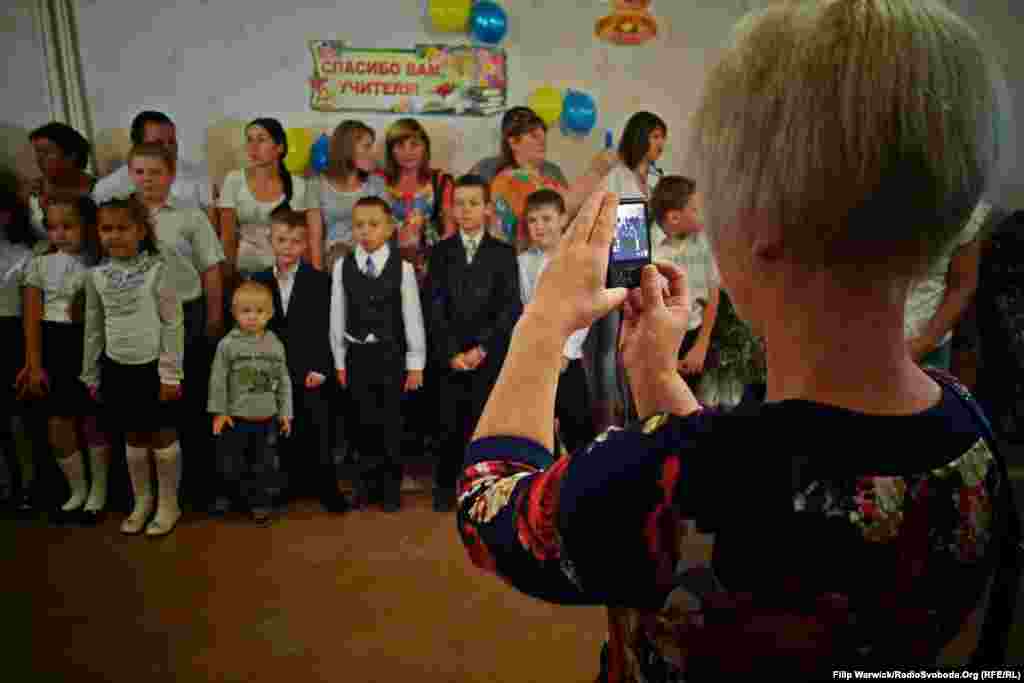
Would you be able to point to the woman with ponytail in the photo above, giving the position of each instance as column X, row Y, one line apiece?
column 250, row 194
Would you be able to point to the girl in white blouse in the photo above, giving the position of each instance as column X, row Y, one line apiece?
column 53, row 352
column 250, row 194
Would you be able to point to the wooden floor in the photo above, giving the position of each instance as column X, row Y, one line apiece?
column 363, row 597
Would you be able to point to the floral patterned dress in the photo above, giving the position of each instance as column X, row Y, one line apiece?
column 870, row 547
column 509, row 191
column 414, row 212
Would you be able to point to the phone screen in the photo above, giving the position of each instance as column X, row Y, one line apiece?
column 631, row 242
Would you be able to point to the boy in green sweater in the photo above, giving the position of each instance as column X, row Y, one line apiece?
column 249, row 388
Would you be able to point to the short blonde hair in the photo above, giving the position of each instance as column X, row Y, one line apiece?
column 253, row 292
column 866, row 129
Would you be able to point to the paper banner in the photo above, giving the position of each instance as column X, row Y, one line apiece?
column 429, row 79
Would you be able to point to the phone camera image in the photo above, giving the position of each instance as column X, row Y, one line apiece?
column 631, row 243
column 631, row 246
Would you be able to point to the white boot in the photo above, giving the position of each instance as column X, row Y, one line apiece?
column 167, row 510
column 142, row 488
column 74, row 472
column 99, row 464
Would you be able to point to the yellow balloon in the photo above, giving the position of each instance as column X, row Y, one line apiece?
column 450, row 16
column 546, row 102
column 300, row 144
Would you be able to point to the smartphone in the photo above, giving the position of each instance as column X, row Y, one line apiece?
column 631, row 248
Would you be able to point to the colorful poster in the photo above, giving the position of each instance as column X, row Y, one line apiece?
column 429, row 79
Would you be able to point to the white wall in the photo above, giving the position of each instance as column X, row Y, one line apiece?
column 204, row 60
column 25, row 102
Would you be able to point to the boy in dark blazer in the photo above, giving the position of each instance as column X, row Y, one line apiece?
column 302, row 302
column 474, row 304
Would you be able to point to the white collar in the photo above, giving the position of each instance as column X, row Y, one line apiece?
column 478, row 237
column 287, row 275
column 381, row 254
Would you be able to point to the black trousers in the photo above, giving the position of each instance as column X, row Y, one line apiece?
column 199, row 479
column 572, row 407
column 305, row 456
column 376, row 376
column 463, row 395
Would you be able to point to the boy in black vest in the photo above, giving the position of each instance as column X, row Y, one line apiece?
column 474, row 304
column 379, row 346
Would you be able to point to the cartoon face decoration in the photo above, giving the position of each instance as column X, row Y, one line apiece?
column 630, row 24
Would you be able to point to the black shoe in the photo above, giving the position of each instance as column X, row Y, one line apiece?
column 391, row 506
column 444, row 500
column 336, row 504
column 91, row 517
column 261, row 516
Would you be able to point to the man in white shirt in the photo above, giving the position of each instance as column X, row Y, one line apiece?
column 191, row 187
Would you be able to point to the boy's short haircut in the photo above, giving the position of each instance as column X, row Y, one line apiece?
column 672, row 193
column 153, row 150
column 473, row 180
column 543, row 199
column 374, row 201
column 286, row 216
column 252, row 291
column 138, row 129
column 867, row 131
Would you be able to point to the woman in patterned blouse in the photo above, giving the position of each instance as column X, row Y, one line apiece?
column 853, row 504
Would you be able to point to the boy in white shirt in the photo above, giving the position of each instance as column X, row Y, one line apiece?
column 379, row 345
column 546, row 220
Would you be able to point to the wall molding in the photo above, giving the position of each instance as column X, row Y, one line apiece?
column 58, row 32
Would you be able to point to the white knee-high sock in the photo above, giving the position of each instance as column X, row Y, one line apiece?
column 142, row 488
column 74, row 472
column 167, row 510
column 99, row 464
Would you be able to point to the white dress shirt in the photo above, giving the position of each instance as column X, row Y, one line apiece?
column 478, row 238
column 532, row 263
column 285, row 284
column 412, row 313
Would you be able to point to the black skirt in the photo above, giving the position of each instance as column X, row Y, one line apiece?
column 62, row 359
column 130, row 397
column 12, row 360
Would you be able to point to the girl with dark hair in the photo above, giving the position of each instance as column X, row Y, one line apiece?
column 250, row 194
column 349, row 177
column 132, row 356
column 62, row 154
column 53, row 351
column 16, row 240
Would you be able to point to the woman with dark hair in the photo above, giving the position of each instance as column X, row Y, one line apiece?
column 523, row 171
column 250, row 194
column 62, row 154
column 642, row 144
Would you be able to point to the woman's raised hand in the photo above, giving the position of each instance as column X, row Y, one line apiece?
column 654, row 323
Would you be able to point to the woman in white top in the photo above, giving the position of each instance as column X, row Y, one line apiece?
column 62, row 154
column 349, row 177
column 642, row 144
column 250, row 194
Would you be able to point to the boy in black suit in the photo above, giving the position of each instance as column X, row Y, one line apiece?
column 475, row 303
column 379, row 346
column 302, row 300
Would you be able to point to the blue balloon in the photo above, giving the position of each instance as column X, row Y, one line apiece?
column 579, row 113
column 488, row 22
column 320, row 153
